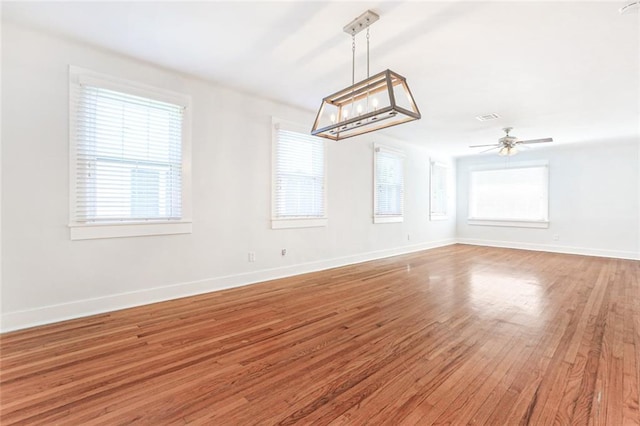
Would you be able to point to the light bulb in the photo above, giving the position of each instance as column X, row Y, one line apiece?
column 507, row 151
column 345, row 114
column 359, row 109
column 333, row 118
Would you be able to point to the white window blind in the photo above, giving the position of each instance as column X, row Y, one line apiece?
column 438, row 191
column 128, row 153
column 513, row 194
column 388, row 185
column 299, row 175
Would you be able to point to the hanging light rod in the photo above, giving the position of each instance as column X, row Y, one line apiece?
column 361, row 22
column 377, row 102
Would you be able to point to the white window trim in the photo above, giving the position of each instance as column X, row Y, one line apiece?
column 514, row 223
column 438, row 216
column 387, row 218
column 86, row 231
column 294, row 222
column 298, row 223
column 509, row 223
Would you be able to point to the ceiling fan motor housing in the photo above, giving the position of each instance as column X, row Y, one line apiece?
column 508, row 141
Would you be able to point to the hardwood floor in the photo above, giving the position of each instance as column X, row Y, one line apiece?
column 456, row 335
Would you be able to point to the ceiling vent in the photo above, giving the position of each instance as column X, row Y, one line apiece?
column 487, row 117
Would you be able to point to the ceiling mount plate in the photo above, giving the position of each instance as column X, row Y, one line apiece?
column 361, row 22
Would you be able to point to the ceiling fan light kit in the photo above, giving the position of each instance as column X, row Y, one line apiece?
column 377, row 102
column 507, row 151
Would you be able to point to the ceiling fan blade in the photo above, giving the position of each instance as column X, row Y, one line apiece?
column 490, row 149
column 537, row 140
column 482, row 146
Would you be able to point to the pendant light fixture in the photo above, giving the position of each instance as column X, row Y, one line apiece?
column 379, row 101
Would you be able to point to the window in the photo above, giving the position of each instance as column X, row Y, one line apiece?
column 388, row 188
column 516, row 196
column 438, row 192
column 128, row 149
column 299, row 178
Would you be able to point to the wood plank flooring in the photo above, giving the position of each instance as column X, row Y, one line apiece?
column 455, row 335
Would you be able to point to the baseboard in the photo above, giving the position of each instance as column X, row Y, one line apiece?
column 54, row 313
column 585, row 251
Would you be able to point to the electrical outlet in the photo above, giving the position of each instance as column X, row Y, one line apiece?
column 284, row 252
column 252, row 256
column 408, row 237
column 556, row 237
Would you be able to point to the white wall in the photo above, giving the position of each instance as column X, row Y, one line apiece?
column 47, row 277
column 593, row 201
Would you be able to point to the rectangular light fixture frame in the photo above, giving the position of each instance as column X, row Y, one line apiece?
column 387, row 115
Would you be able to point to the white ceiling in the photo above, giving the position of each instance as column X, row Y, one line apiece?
column 569, row 70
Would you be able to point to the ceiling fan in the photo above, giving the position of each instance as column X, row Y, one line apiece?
column 508, row 144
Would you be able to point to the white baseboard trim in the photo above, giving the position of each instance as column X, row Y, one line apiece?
column 585, row 251
column 54, row 313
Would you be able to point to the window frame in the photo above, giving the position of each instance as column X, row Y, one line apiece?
column 433, row 164
column 295, row 222
column 518, row 223
column 128, row 228
column 386, row 218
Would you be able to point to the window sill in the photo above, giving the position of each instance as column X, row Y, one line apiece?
column 510, row 223
column 120, row 230
column 299, row 223
column 388, row 219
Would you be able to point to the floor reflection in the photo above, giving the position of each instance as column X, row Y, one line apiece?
column 505, row 295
